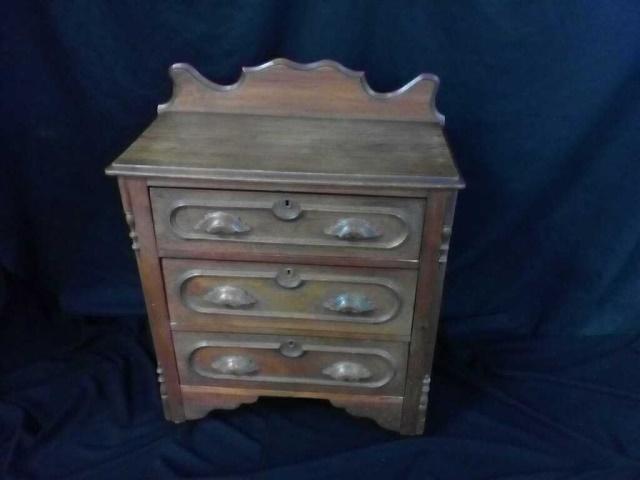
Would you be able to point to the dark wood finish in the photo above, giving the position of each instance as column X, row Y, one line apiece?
column 386, row 411
column 199, row 401
column 291, row 363
column 404, row 191
column 435, row 245
column 274, row 150
column 135, row 200
column 239, row 199
column 282, row 257
column 180, row 217
column 322, row 89
column 298, row 307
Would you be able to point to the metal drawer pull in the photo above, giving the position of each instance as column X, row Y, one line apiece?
column 235, row 365
column 229, row 296
column 286, row 209
column 222, row 223
column 353, row 229
column 351, row 303
column 347, row 372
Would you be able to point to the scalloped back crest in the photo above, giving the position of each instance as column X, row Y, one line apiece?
column 322, row 89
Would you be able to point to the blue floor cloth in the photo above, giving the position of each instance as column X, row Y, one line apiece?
column 86, row 406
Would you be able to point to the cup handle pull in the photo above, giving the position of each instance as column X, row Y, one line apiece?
column 353, row 229
column 230, row 297
column 350, row 303
column 221, row 223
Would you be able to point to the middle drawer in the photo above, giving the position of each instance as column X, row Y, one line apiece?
column 261, row 297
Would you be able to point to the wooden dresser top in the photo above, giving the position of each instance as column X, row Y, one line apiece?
column 342, row 134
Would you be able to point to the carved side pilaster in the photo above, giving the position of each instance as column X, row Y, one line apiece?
column 445, row 238
column 164, row 397
column 132, row 230
column 128, row 216
column 443, row 251
column 424, row 400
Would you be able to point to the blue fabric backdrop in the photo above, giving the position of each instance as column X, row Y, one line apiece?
column 536, row 376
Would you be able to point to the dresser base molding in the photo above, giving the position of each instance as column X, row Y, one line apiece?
column 386, row 411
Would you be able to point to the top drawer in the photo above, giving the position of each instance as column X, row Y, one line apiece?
column 223, row 224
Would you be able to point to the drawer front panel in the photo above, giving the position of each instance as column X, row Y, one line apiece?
column 291, row 362
column 219, row 223
column 219, row 296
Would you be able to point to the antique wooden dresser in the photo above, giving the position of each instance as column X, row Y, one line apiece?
column 291, row 232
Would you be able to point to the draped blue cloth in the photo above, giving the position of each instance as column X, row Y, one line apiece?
column 536, row 374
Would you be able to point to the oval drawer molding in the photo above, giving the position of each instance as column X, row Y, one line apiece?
column 312, row 363
column 209, row 295
column 211, row 223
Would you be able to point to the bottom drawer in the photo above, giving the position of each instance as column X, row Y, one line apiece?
column 291, row 362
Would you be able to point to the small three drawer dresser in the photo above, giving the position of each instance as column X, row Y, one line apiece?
column 291, row 232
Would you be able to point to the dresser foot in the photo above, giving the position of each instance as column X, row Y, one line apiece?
column 386, row 413
column 194, row 410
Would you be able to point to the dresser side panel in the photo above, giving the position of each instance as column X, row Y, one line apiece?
column 135, row 199
column 435, row 244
